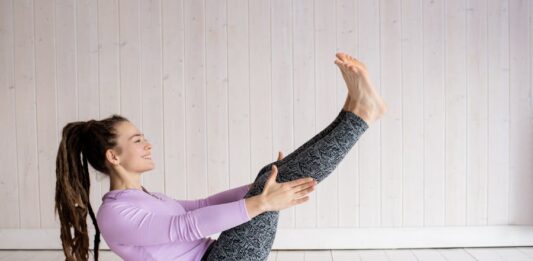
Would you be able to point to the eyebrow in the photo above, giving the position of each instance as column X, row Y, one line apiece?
column 135, row 135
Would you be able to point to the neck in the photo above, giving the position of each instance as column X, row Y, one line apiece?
column 120, row 182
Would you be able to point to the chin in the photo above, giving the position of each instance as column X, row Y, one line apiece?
column 148, row 168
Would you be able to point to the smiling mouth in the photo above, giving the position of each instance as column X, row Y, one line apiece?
column 149, row 157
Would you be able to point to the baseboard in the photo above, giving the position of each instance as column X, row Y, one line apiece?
column 334, row 238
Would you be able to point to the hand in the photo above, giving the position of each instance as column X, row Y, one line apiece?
column 280, row 157
column 278, row 196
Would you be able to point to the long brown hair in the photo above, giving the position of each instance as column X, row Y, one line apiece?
column 81, row 142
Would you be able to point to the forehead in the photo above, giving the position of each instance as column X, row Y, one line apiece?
column 126, row 129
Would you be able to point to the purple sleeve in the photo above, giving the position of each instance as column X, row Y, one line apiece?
column 229, row 195
column 144, row 227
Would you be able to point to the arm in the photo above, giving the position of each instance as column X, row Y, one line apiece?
column 222, row 197
column 127, row 224
column 229, row 195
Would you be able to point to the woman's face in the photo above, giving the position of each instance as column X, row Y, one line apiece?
column 136, row 154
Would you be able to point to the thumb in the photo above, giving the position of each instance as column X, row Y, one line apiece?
column 273, row 175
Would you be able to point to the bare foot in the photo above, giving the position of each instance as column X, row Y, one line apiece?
column 362, row 99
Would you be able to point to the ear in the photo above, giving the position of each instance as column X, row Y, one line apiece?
column 112, row 157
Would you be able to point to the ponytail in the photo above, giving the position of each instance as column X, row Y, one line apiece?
column 81, row 143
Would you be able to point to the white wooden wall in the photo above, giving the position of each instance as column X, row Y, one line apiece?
column 219, row 86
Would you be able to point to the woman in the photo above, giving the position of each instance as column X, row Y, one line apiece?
column 139, row 225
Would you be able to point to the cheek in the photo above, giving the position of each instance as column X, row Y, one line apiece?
column 129, row 157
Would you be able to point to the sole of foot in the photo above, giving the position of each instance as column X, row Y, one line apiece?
column 363, row 99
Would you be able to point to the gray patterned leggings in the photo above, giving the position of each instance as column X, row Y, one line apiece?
column 316, row 158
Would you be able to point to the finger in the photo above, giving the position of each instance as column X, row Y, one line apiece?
column 305, row 185
column 301, row 200
column 304, row 192
column 280, row 155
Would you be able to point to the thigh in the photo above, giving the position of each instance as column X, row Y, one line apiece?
column 252, row 240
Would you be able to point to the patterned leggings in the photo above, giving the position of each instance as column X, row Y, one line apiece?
column 316, row 158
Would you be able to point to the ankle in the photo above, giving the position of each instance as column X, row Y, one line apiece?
column 357, row 110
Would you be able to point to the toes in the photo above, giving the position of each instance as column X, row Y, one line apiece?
column 359, row 63
column 347, row 67
column 342, row 65
column 342, row 56
column 348, row 59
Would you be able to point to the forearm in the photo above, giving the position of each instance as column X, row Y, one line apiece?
column 228, row 195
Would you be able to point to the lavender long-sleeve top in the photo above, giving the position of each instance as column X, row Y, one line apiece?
column 139, row 226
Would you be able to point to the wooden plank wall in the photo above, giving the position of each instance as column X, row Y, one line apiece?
column 219, row 86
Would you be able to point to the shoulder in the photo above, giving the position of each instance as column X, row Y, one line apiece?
column 117, row 203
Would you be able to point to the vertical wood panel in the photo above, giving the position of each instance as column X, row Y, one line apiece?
column 174, row 98
column 391, row 126
column 239, row 94
column 434, row 167
column 326, row 104
column 151, row 89
column 369, row 143
column 498, row 112
column 455, row 104
column 282, row 89
column 304, row 94
column 24, row 77
column 529, row 107
column 9, row 189
column 65, row 36
column 412, row 117
column 217, row 96
column 348, row 186
column 260, row 85
column 477, row 113
column 130, row 61
column 45, row 92
column 521, row 182
column 195, row 98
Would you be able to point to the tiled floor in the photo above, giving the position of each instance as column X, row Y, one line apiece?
column 450, row 254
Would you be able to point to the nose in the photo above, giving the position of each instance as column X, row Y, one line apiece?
column 148, row 146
